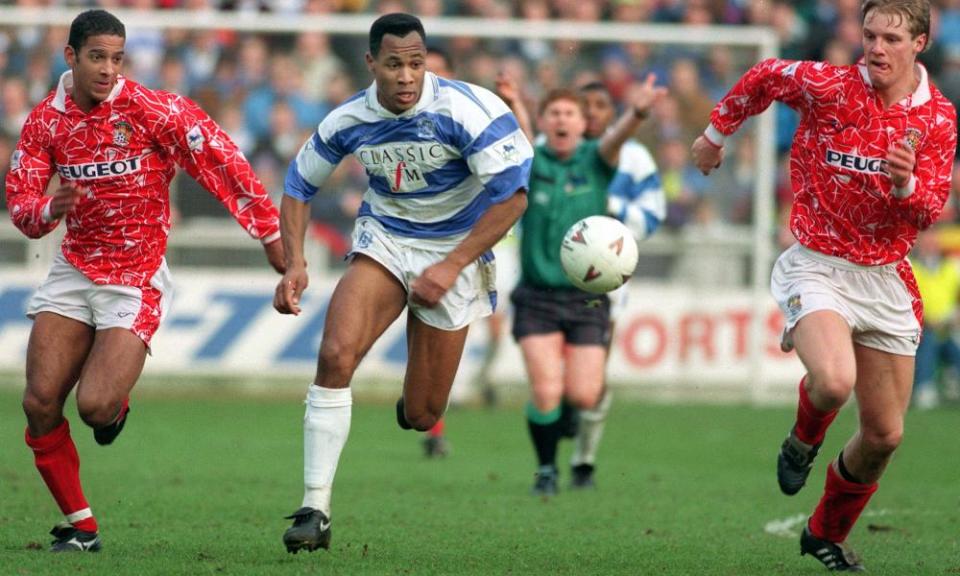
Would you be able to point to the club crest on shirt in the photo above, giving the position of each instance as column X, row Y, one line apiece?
column 508, row 150
column 195, row 139
column 364, row 240
column 15, row 159
column 122, row 133
column 426, row 129
column 913, row 136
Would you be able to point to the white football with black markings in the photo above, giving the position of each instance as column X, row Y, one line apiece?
column 598, row 254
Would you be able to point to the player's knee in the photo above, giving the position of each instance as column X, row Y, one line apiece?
column 422, row 420
column 40, row 407
column 337, row 359
column 97, row 412
column 832, row 387
column 583, row 400
column 882, row 443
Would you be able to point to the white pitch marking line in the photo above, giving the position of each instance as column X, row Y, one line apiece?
column 790, row 526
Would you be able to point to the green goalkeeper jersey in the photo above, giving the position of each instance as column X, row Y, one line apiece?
column 561, row 192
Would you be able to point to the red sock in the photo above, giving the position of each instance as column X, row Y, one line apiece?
column 840, row 506
column 812, row 423
column 437, row 429
column 55, row 456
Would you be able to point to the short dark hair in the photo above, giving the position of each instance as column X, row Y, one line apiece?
column 94, row 23
column 396, row 24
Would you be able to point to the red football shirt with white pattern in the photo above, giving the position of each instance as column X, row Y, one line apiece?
column 125, row 152
column 844, row 202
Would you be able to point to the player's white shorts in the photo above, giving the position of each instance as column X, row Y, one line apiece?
column 67, row 292
column 472, row 296
column 877, row 302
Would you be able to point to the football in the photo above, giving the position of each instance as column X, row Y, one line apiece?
column 598, row 254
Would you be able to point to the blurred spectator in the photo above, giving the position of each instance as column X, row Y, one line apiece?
column 721, row 72
column 938, row 278
column 253, row 63
column 145, row 48
column 534, row 49
column 230, row 118
column 438, row 62
column 339, row 88
column 697, row 13
column 837, row 53
column 633, row 10
column 950, row 29
column 6, row 151
column 201, row 56
column 317, row 64
column 682, row 183
column 429, row 8
column 15, row 106
column 173, row 75
column 284, row 135
column 285, row 86
column 684, row 83
column 792, row 30
column 38, row 80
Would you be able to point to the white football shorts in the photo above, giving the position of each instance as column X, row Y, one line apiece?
column 67, row 292
column 472, row 296
column 874, row 300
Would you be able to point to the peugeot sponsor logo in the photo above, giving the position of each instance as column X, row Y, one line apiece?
column 857, row 163
column 97, row 170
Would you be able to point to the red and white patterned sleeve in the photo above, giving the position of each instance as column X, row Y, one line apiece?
column 787, row 81
column 922, row 201
column 208, row 154
column 31, row 168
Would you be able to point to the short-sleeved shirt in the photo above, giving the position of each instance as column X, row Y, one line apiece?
column 433, row 169
column 561, row 192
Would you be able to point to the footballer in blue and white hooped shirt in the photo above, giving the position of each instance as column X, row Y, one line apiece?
column 433, row 169
column 448, row 169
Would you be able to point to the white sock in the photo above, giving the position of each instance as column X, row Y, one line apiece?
column 590, row 431
column 326, row 426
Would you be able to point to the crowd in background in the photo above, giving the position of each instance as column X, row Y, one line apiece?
column 269, row 91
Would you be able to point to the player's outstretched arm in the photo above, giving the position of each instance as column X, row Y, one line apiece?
column 294, row 217
column 801, row 85
column 642, row 102
column 433, row 283
column 208, row 154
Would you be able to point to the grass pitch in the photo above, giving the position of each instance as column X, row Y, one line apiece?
column 199, row 483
